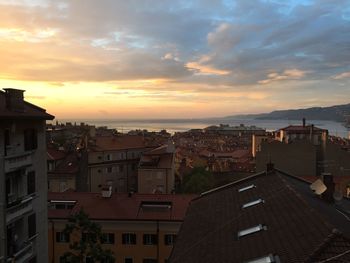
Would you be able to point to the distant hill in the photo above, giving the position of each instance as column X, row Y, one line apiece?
column 339, row 113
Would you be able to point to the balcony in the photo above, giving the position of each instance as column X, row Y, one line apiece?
column 19, row 208
column 14, row 162
column 23, row 254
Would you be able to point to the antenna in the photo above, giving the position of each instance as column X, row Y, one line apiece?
column 318, row 187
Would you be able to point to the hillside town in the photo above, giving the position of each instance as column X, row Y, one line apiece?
column 147, row 190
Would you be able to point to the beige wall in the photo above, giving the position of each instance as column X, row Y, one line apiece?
column 138, row 252
column 37, row 164
column 150, row 180
column 58, row 184
column 297, row 158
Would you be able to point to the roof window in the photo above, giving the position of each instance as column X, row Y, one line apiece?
column 251, row 230
column 267, row 259
column 252, row 203
column 246, row 188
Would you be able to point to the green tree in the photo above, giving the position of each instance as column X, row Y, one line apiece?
column 86, row 239
column 197, row 181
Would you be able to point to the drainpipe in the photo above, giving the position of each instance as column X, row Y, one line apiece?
column 158, row 241
column 53, row 240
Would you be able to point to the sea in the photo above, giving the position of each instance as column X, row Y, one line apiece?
column 180, row 125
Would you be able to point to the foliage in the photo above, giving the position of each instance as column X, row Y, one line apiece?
column 86, row 239
column 197, row 181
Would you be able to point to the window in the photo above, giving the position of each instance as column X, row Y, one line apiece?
column 30, row 139
column 107, row 260
column 31, row 225
column 129, row 239
column 109, row 157
column 109, row 169
column 246, row 188
column 63, row 259
column 251, row 230
column 89, row 236
column 107, row 238
column 169, row 239
column 149, row 260
column 252, row 203
column 31, row 182
column 121, row 168
column 128, row 260
column 150, row 239
column 89, row 260
column 133, row 167
column 62, row 237
column 267, row 259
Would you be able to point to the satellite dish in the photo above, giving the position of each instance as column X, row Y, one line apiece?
column 338, row 195
column 318, row 187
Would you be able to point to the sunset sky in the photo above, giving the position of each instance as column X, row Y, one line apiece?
column 175, row 59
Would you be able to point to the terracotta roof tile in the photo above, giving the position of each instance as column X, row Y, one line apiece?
column 121, row 206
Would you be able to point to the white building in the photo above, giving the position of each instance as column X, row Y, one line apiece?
column 23, row 180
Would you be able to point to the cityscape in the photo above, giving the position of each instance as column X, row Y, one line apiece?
column 175, row 131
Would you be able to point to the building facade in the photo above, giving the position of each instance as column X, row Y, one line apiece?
column 156, row 172
column 139, row 228
column 113, row 161
column 23, row 211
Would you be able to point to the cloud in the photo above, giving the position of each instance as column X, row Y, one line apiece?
column 287, row 74
column 343, row 75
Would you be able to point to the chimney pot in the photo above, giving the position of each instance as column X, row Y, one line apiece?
column 329, row 183
column 14, row 100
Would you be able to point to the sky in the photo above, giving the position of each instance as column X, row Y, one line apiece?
column 175, row 59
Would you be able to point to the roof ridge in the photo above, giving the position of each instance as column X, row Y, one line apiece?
column 216, row 189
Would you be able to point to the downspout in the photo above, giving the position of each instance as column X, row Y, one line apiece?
column 53, row 240
column 158, row 241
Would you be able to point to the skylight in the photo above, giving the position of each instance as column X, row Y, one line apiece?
column 251, row 230
column 252, row 203
column 267, row 259
column 246, row 188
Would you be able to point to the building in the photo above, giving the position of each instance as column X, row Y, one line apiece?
column 23, row 210
column 113, row 160
column 63, row 170
column 141, row 228
column 268, row 217
column 156, row 172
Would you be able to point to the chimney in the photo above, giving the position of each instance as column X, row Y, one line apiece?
column 14, row 100
column 106, row 191
column 270, row 167
column 329, row 183
column 304, row 122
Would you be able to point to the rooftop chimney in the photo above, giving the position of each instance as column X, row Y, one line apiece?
column 304, row 122
column 14, row 100
column 270, row 167
column 329, row 183
column 106, row 191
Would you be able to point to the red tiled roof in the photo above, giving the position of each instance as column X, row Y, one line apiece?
column 53, row 154
column 121, row 206
column 70, row 165
column 110, row 143
column 30, row 111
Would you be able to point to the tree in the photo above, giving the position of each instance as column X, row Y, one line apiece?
column 86, row 241
column 197, row 181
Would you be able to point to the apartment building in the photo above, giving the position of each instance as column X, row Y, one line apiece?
column 138, row 228
column 156, row 172
column 23, row 199
column 113, row 161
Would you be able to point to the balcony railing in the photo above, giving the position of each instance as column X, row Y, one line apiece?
column 19, row 208
column 23, row 254
column 14, row 162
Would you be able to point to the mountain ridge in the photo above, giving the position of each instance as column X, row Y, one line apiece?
column 339, row 113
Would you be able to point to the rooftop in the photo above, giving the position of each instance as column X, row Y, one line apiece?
column 122, row 207
column 26, row 111
column 111, row 143
column 289, row 221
